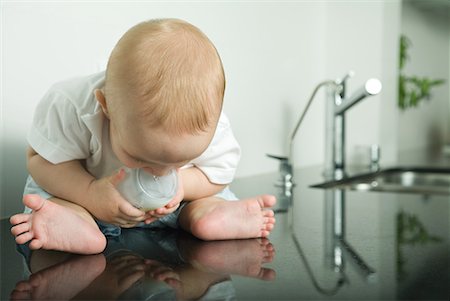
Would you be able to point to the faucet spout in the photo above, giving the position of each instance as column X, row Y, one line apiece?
column 371, row 87
column 302, row 116
column 337, row 105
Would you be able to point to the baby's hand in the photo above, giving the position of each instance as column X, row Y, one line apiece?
column 123, row 269
column 152, row 215
column 108, row 205
column 161, row 272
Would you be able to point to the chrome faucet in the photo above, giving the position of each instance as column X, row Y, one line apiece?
column 337, row 104
column 286, row 162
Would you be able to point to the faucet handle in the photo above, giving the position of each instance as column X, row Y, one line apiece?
column 285, row 178
column 347, row 76
column 342, row 82
column 285, row 165
column 281, row 158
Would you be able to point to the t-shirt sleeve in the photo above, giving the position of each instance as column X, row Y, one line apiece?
column 57, row 132
column 220, row 160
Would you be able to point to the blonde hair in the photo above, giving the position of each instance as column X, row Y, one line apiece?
column 173, row 72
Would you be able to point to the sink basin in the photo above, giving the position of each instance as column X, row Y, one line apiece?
column 408, row 180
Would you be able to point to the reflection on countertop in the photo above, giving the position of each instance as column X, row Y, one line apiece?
column 147, row 265
column 364, row 245
column 327, row 244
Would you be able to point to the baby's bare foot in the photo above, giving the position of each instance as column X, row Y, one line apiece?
column 54, row 227
column 248, row 218
column 62, row 281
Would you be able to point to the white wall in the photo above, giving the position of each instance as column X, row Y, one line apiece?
column 355, row 42
column 427, row 25
column 273, row 52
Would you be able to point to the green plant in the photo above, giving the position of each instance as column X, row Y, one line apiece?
column 412, row 89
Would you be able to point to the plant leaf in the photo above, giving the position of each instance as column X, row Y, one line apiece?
column 412, row 89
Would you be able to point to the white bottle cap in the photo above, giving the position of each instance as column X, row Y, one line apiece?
column 146, row 191
column 160, row 188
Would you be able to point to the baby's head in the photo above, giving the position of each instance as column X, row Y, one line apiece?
column 163, row 94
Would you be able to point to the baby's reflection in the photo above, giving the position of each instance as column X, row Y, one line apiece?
column 150, row 265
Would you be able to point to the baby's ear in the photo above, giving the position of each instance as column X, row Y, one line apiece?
column 100, row 96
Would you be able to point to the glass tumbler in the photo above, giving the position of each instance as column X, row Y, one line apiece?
column 146, row 191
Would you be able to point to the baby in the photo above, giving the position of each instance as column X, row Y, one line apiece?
column 157, row 107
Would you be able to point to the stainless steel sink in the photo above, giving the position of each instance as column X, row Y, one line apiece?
column 408, row 180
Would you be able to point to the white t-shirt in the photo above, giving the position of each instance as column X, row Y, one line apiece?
column 69, row 124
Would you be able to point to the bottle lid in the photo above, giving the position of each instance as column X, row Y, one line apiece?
column 164, row 187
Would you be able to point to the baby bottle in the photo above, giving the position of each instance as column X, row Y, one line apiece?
column 146, row 191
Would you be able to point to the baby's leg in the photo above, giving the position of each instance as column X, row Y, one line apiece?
column 213, row 218
column 58, row 225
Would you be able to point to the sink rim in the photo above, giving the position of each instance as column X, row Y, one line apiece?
column 369, row 181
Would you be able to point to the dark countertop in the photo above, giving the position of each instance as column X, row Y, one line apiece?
column 395, row 246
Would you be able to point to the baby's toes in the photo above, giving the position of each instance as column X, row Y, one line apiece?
column 267, row 274
column 268, row 258
column 20, row 228
column 264, row 233
column 267, row 201
column 268, row 227
column 19, row 218
column 34, row 201
column 268, row 247
column 268, row 213
column 20, row 295
column 269, row 220
column 23, row 286
column 23, row 238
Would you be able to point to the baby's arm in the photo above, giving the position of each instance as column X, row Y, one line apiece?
column 196, row 184
column 72, row 182
column 215, row 168
column 68, row 180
